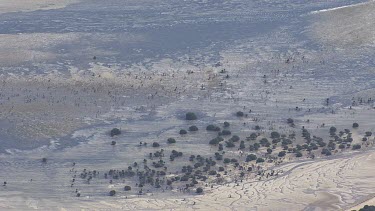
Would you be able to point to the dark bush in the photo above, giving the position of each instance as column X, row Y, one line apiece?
column 155, row 144
column 326, row 152
column 229, row 144
column 127, row 188
column 212, row 172
column 356, row 146
column 225, row 133
column 191, row 116
column 171, row 140
column 253, row 136
column 193, row 128
column 112, row 192
column 216, row 141
column 282, row 154
column 199, row 190
column 239, row 114
column 242, row 145
column 368, row 208
column 332, row 130
column 263, row 141
column 226, row 160
column 115, row 132
column 260, row 160
column 256, row 146
column 113, row 143
column 251, row 157
column 213, row 128
column 234, row 138
column 355, row 125
column 233, row 160
column 226, row 124
column 275, row 135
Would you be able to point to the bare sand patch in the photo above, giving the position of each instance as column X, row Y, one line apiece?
column 347, row 26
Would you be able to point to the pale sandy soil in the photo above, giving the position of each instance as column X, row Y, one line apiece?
column 21, row 48
column 54, row 105
column 325, row 185
column 7, row 6
column 329, row 184
column 351, row 26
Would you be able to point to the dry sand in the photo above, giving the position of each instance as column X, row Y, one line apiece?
column 329, row 184
column 351, row 26
column 323, row 184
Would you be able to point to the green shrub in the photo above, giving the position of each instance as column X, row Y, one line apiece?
column 234, row 138
column 226, row 160
column 275, row 135
column 282, row 154
column 115, row 132
column 199, row 190
column 193, row 128
column 356, row 146
column 171, row 140
column 216, row 141
column 229, row 144
column 112, row 192
column 251, row 157
column 260, row 160
column 213, row 128
column 239, row 114
column 191, row 116
column 368, row 208
column 225, row 133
